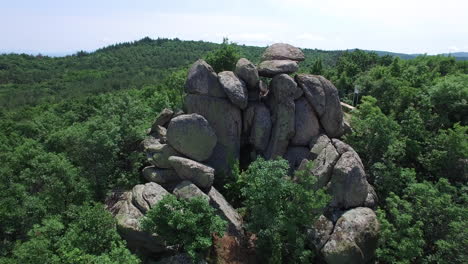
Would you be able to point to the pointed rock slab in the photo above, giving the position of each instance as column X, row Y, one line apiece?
column 354, row 239
column 202, row 79
column 247, row 71
column 283, row 51
column 323, row 165
column 306, row 123
column 226, row 121
column 283, row 130
column 320, row 233
column 234, row 88
column 188, row 190
column 160, row 176
column 323, row 96
column 349, row 186
column 200, row 174
column 317, row 144
column 271, row 68
column 161, row 154
column 285, row 89
column 162, row 119
column 226, row 211
column 192, row 136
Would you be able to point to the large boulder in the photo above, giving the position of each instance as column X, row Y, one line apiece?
column 200, row 174
column 317, row 144
column 234, row 88
column 188, row 190
column 150, row 144
column 247, row 71
column 160, row 155
column 202, row 79
column 349, row 186
column 271, row 68
column 354, row 239
column 283, row 130
column 160, row 176
column 306, row 122
column 323, row 96
column 284, row 88
column 128, row 216
column 192, row 136
column 283, row 51
column 226, row 211
column 226, row 121
column 146, row 196
column 261, row 128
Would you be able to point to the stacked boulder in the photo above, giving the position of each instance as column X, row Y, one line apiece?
column 259, row 111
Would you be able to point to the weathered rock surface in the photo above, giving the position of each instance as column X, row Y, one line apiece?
column 323, row 96
column 150, row 144
column 162, row 119
column 285, row 89
column 283, row 130
column 271, row 68
column 200, row 174
column 226, row 121
column 188, row 190
column 283, row 51
column 160, row 155
column 323, row 165
column 234, row 88
column 192, row 136
column 320, row 233
column 128, row 218
column 349, row 187
column 306, row 123
column 226, row 211
column 261, row 128
column 295, row 156
column 160, row 176
column 317, row 144
column 160, row 133
column 354, row 238
column 202, row 79
column 247, row 71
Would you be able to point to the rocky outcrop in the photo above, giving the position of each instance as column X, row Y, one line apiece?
column 192, row 136
column 299, row 119
column 234, row 88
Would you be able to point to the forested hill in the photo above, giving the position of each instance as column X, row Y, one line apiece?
column 29, row 80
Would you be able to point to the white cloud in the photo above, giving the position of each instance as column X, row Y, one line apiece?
column 312, row 37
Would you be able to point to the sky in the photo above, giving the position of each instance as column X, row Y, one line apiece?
column 67, row 26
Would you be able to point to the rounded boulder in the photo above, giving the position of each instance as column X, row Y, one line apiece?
column 192, row 136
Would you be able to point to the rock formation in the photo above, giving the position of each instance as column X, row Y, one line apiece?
column 298, row 118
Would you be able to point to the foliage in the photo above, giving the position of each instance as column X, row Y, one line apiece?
column 224, row 58
column 279, row 210
column 84, row 234
column 188, row 224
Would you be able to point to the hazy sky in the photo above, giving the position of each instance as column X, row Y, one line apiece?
column 409, row 26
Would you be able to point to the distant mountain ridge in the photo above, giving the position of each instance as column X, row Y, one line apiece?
column 457, row 55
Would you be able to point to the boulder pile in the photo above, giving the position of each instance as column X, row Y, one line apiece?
column 243, row 114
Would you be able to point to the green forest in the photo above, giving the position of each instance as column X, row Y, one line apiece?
column 71, row 127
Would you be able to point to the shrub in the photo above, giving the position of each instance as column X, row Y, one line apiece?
column 280, row 210
column 187, row 224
